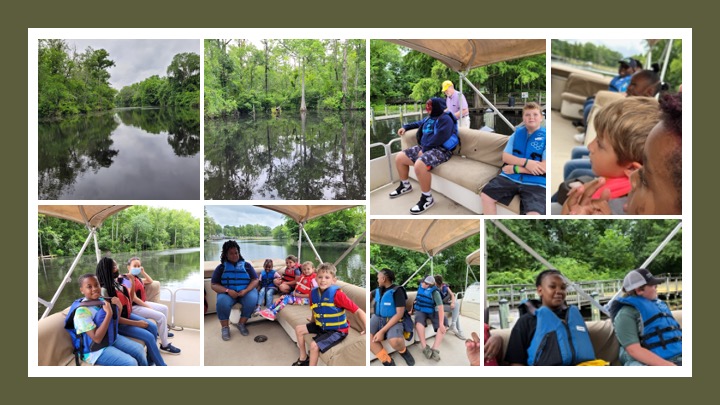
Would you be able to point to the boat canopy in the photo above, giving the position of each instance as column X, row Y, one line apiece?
column 465, row 54
column 473, row 259
column 429, row 236
column 304, row 213
column 88, row 215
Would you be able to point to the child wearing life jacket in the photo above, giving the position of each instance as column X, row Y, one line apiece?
column 428, row 306
column 130, row 325
column 289, row 275
column 136, row 279
column 267, row 287
column 330, row 324
column 647, row 332
column 93, row 327
column 554, row 334
column 301, row 295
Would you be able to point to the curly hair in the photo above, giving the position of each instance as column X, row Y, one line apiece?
column 545, row 273
column 671, row 107
column 226, row 247
column 104, row 273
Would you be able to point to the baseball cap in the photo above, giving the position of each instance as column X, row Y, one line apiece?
column 633, row 63
column 446, row 84
column 429, row 280
column 638, row 278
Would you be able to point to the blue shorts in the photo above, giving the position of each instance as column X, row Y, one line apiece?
column 325, row 339
column 503, row 190
column 422, row 318
column 432, row 158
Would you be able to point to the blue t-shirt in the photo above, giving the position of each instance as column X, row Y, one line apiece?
column 619, row 84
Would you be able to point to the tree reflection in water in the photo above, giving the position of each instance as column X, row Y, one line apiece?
column 313, row 156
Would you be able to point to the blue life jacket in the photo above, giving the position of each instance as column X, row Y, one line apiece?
column 661, row 333
column 266, row 279
column 428, row 127
column 235, row 277
column 424, row 300
column 445, row 295
column 560, row 343
column 528, row 147
column 385, row 305
column 325, row 313
column 82, row 343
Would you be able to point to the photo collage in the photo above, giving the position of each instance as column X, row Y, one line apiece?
column 281, row 201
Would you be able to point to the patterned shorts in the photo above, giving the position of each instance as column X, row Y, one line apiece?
column 431, row 158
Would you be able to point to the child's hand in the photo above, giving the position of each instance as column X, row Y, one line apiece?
column 107, row 307
column 143, row 324
column 472, row 349
column 378, row 337
column 116, row 301
column 535, row 167
column 580, row 202
column 401, row 131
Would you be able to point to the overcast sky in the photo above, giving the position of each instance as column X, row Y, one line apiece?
column 244, row 215
column 627, row 47
column 137, row 59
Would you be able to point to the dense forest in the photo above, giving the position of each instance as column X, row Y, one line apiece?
column 603, row 56
column 582, row 249
column 72, row 82
column 399, row 75
column 292, row 74
column 137, row 228
column 338, row 226
column 450, row 263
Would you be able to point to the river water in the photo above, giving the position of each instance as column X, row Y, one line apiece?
column 123, row 154
column 311, row 156
column 174, row 269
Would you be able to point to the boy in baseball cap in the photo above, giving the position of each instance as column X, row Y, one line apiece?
column 644, row 326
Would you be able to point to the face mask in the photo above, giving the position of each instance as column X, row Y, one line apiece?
column 135, row 271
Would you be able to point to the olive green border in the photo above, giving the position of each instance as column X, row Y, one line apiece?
column 366, row 14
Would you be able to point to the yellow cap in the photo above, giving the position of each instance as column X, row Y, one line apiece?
column 446, row 84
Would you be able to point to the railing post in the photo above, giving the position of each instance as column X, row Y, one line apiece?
column 386, row 109
column 504, row 313
column 595, row 311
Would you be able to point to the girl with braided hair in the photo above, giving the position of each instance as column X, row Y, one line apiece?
column 130, row 325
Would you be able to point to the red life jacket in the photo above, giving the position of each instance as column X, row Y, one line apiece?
column 123, row 293
column 304, row 285
column 489, row 362
column 289, row 274
column 140, row 288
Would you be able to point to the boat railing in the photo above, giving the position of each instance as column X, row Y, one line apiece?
column 381, row 176
column 602, row 290
column 175, row 302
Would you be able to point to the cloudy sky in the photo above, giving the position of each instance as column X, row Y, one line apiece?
column 137, row 59
column 244, row 215
column 627, row 47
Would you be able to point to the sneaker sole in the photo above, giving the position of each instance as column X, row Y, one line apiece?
column 401, row 194
column 166, row 352
column 420, row 212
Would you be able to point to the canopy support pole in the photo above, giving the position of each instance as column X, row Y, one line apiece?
column 66, row 279
column 487, row 101
column 418, row 270
column 300, row 231
column 348, row 250
column 317, row 255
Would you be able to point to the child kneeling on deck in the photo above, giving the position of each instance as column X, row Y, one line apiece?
column 93, row 327
column 329, row 322
column 300, row 296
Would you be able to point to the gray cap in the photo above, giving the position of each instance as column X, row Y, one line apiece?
column 429, row 280
column 638, row 278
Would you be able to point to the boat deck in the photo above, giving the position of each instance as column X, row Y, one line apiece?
column 382, row 204
column 187, row 340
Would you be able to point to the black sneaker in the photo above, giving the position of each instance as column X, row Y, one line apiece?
column 299, row 362
column 169, row 349
column 408, row 358
column 389, row 363
column 402, row 189
column 423, row 205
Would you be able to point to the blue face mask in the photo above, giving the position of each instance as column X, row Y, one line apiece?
column 135, row 271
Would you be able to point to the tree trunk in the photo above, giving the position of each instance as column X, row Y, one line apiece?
column 343, row 102
column 303, row 107
column 265, row 43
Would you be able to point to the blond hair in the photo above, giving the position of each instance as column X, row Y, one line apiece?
column 327, row 268
column 625, row 125
column 308, row 263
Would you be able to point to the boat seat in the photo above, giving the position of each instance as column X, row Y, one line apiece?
column 481, row 156
column 579, row 87
column 54, row 343
column 602, row 335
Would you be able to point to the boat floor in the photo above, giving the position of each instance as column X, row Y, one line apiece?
column 187, row 340
column 278, row 350
column 452, row 349
column 562, row 142
column 382, row 204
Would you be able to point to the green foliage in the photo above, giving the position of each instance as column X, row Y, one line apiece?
column 319, row 74
column 400, row 75
column 136, row 228
column 180, row 88
column 582, row 249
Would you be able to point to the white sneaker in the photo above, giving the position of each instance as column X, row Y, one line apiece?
column 580, row 138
